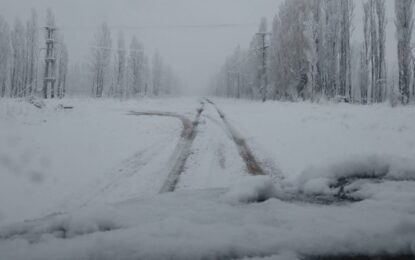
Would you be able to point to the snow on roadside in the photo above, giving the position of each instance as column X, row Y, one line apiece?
column 319, row 148
column 281, row 256
column 251, row 189
column 49, row 154
column 204, row 225
column 373, row 168
column 301, row 135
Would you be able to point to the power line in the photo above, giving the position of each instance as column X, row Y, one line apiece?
column 163, row 27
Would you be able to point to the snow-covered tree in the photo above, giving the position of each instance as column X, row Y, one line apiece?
column 375, row 40
column 157, row 73
column 315, row 54
column 275, row 59
column 32, row 53
column 120, row 67
column 18, row 55
column 294, row 47
column 308, row 56
column 100, row 58
column 62, row 59
column 136, row 67
column 365, row 79
column 332, row 46
column 404, row 27
column 345, row 76
column 381, row 85
column 4, row 55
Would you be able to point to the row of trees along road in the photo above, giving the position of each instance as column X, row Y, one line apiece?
column 21, row 63
column 126, row 72
column 32, row 65
column 307, row 54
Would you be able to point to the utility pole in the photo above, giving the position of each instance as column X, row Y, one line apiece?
column 49, row 78
column 238, row 96
column 264, row 76
column 228, row 83
column 233, row 77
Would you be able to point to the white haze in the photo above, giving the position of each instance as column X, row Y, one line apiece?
column 175, row 28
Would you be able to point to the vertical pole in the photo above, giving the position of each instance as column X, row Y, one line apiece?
column 264, row 70
column 228, row 84
column 50, row 62
column 264, row 76
column 239, row 85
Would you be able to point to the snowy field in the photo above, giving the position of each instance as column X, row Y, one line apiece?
column 340, row 180
column 299, row 136
column 47, row 156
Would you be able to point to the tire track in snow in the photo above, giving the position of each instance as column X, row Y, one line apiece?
column 252, row 164
column 255, row 169
column 125, row 170
column 178, row 159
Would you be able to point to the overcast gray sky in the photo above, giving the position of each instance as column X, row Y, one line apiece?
column 195, row 53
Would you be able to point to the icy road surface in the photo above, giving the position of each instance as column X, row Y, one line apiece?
column 206, row 179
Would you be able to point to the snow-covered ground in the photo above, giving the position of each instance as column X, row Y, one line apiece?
column 50, row 157
column 298, row 136
column 341, row 181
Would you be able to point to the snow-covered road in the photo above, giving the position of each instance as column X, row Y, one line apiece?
column 277, row 181
column 178, row 160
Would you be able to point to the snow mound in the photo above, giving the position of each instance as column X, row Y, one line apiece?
column 251, row 190
column 61, row 226
column 282, row 256
column 344, row 180
column 198, row 225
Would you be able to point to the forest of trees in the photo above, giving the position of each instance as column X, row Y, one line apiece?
column 21, row 61
column 308, row 55
column 118, row 71
column 110, row 70
column 305, row 53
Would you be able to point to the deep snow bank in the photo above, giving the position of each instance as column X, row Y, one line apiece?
column 354, row 179
column 244, row 221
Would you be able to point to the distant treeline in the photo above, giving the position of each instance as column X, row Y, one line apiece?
column 114, row 71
